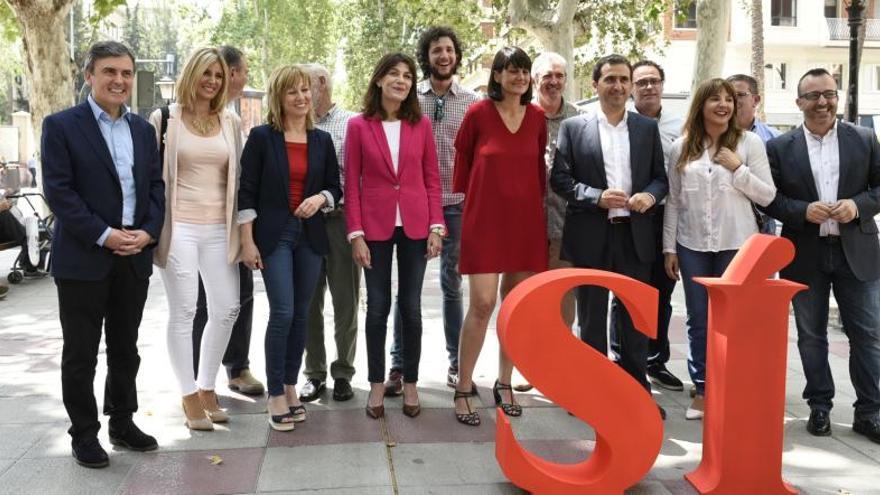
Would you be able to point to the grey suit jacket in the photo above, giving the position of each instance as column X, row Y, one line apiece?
column 579, row 166
column 796, row 188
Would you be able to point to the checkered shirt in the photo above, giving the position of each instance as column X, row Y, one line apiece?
column 336, row 124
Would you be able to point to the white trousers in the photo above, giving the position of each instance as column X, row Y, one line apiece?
column 199, row 249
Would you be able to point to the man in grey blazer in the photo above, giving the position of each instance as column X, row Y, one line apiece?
column 609, row 167
column 827, row 176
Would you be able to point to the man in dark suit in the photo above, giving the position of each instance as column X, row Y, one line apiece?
column 827, row 176
column 103, row 181
column 609, row 167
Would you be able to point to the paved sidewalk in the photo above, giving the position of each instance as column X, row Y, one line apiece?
column 338, row 450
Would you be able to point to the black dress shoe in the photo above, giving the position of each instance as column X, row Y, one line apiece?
column 89, row 453
column 311, row 390
column 342, row 390
column 868, row 427
column 131, row 437
column 819, row 423
column 662, row 377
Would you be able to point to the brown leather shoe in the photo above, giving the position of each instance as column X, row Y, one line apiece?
column 245, row 383
column 375, row 412
column 394, row 384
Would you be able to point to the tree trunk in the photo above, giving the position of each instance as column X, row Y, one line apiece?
column 554, row 28
column 49, row 67
column 712, row 24
column 757, row 14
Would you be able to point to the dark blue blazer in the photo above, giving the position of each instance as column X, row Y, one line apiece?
column 265, row 185
column 84, row 192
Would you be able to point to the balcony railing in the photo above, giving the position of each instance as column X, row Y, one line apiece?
column 838, row 29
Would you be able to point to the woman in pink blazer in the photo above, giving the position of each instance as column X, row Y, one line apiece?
column 392, row 197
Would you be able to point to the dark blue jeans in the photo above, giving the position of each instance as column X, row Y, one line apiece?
column 411, row 264
column 450, row 284
column 699, row 264
column 290, row 274
column 859, row 305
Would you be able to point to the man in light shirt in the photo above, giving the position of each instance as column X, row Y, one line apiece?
column 339, row 272
column 827, row 175
column 609, row 167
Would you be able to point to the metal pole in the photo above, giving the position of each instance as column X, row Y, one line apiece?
column 855, row 9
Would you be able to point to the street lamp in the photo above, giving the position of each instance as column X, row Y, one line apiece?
column 855, row 9
column 166, row 88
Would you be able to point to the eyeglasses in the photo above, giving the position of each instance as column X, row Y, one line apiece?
column 814, row 95
column 438, row 108
column 743, row 94
column 644, row 83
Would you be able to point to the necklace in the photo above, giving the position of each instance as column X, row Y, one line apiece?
column 204, row 125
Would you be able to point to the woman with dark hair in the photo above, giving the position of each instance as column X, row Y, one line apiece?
column 499, row 165
column 716, row 170
column 392, row 189
column 290, row 176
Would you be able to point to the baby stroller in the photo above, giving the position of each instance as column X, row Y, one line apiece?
column 39, row 235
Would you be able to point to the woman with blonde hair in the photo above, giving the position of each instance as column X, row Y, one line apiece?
column 289, row 178
column 716, row 170
column 200, row 235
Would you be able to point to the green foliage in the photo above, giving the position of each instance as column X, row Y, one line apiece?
column 102, row 8
column 9, row 28
column 368, row 29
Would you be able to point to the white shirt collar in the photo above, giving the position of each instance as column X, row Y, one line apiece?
column 830, row 134
column 600, row 115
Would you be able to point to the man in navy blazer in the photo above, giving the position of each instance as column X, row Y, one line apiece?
column 103, row 182
column 827, row 176
column 609, row 167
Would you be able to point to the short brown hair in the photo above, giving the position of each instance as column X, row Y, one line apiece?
column 409, row 108
column 282, row 79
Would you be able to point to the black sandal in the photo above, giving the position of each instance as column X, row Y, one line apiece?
column 281, row 422
column 509, row 409
column 299, row 413
column 472, row 418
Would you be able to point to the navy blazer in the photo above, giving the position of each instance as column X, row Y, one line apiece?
column 83, row 190
column 265, row 185
column 579, row 160
column 796, row 188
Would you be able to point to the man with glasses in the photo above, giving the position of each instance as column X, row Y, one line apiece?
column 827, row 176
column 445, row 102
column 647, row 93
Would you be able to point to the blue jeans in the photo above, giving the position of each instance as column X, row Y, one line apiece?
column 450, row 284
column 290, row 274
column 411, row 264
column 859, row 304
column 699, row 264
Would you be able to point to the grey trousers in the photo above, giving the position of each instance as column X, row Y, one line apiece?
column 342, row 275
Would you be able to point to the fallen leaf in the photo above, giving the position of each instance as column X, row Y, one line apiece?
column 215, row 460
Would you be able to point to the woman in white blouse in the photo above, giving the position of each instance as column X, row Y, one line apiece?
column 716, row 171
column 200, row 234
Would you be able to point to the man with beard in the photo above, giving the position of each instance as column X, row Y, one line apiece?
column 445, row 102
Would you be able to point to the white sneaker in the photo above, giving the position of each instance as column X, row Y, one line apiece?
column 32, row 230
column 695, row 410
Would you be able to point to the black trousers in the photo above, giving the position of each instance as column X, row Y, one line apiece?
column 115, row 304
column 236, row 357
column 592, row 306
column 658, row 349
column 411, row 265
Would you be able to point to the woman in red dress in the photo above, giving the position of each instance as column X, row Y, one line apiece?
column 499, row 165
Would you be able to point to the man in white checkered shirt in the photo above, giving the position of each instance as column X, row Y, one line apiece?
column 445, row 103
column 339, row 271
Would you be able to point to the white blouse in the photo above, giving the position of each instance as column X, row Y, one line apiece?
column 709, row 207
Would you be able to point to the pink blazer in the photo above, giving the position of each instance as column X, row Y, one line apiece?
column 373, row 190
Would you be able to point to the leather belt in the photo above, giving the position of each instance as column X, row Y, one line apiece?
column 616, row 220
column 830, row 239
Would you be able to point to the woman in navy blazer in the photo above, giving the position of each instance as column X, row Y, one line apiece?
column 392, row 185
column 290, row 176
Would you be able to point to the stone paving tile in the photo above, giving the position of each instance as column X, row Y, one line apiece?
column 318, row 467
column 5, row 464
column 329, row 427
column 560, row 451
column 31, row 409
column 437, row 464
column 836, row 485
column 361, row 490
column 242, row 430
column 483, row 489
column 193, row 473
column 647, row 487
column 679, row 487
column 549, row 423
column 63, row 476
column 437, row 425
column 16, row 440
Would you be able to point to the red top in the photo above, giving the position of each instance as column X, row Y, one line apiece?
column 298, row 163
column 503, row 176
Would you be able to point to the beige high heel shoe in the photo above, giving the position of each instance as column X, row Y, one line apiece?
column 196, row 417
column 212, row 406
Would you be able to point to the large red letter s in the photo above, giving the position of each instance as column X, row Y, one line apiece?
column 629, row 431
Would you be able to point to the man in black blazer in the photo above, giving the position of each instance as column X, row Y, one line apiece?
column 827, row 176
column 609, row 167
column 102, row 178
